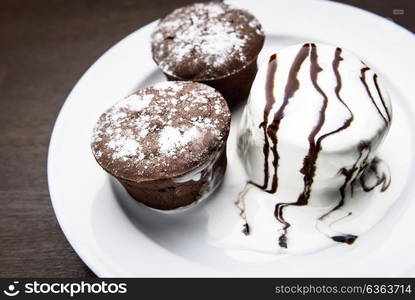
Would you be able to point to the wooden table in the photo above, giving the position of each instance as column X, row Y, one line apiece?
column 45, row 46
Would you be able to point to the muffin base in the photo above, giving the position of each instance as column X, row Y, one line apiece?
column 234, row 88
column 171, row 194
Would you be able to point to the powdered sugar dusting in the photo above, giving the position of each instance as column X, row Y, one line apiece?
column 124, row 147
column 171, row 138
column 135, row 102
column 204, row 31
column 159, row 127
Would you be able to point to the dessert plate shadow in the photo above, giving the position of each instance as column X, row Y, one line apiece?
column 118, row 237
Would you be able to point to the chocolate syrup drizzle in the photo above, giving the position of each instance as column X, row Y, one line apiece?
column 381, row 178
column 361, row 166
column 270, row 100
column 309, row 163
column 375, row 80
column 358, row 170
column 271, row 131
column 349, row 175
column 240, row 204
column 363, row 79
column 291, row 87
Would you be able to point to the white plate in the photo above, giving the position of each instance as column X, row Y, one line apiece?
column 115, row 236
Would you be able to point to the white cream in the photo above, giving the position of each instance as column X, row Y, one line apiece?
column 211, row 182
column 345, row 148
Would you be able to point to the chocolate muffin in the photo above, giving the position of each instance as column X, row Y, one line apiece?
column 211, row 43
column 166, row 144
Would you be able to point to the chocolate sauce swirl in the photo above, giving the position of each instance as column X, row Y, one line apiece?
column 270, row 100
column 309, row 163
column 293, row 84
column 382, row 179
column 375, row 80
column 363, row 79
column 364, row 167
column 357, row 170
column 350, row 174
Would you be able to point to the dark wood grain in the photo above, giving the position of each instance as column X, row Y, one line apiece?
column 45, row 46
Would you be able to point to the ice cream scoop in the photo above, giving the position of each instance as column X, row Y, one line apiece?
column 311, row 128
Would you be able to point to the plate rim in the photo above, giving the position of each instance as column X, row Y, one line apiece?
column 83, row 253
